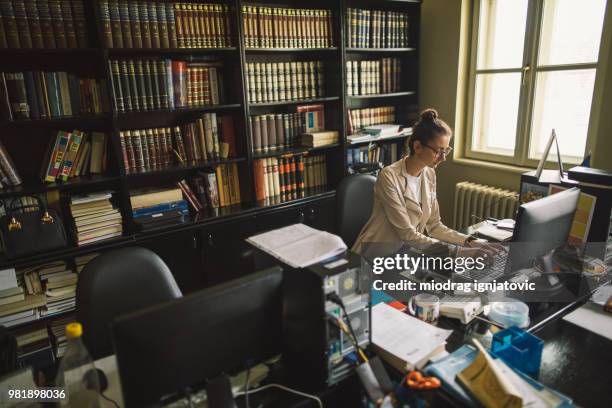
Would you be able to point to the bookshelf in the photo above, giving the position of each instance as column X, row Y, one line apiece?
column 211, row 241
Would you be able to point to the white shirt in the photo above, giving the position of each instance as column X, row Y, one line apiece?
column 414, row 184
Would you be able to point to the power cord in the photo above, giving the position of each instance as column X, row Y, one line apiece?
column 246, row 387
column 337, row 300
column 109, row 400
column 282, row 387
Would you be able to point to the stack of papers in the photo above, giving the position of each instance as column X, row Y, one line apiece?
column 489, row 230
column 299, row 245
column 403, row 341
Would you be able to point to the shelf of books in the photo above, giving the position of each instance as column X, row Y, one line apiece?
column 138, row 119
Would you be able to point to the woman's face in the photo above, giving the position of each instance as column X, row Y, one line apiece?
column 434, row 152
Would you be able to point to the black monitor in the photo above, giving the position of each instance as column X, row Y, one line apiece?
column 164, row 349
column 544, row 224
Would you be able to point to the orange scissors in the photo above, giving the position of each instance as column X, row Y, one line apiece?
column 415, row 381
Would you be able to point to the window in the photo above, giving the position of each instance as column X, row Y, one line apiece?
column 533, row 69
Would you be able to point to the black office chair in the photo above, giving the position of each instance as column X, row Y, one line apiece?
column 116, row 283
column 354, row 201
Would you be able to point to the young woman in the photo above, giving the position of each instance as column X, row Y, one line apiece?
column 405, row 210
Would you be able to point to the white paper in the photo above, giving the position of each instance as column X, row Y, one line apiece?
column 8, row 279
column 404, row 336
column 299, row 245
column 593, row 319
column 492, row 231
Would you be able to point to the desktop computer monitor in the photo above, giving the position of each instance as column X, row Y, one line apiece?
column 544, row 225
column 164, row 349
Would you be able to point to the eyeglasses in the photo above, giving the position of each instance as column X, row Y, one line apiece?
column 441, row 152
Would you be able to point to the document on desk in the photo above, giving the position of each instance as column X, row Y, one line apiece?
column 299, row 245
column 593, row 318
column 489, row 230
column 404, row 341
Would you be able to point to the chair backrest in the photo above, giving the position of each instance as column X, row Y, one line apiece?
column 354, row 201
column 115, row 283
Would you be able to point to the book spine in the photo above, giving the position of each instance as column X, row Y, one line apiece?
column 115, row 23
column 144, row 147
column 147, row 74
column 10, row 24
column 17, row 96
column 141, row 85
column 163, row 84
column 145, row 31
column 68, row 22
column 106, row 23
column 172, row 27
column 125, row 24
column 162, row 26
column 71, row 153
column 227, row 31
column 124, row 150
column 8, row 167
column 34, row 23
column 152, row 148
column 23, row 28
column 139, row 158
column 134, row 22
column 154, row 25
column 179, row 83
column 135, row 93
column 78, row 13
column 154, row 76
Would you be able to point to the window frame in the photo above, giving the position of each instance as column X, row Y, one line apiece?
column 528, row 70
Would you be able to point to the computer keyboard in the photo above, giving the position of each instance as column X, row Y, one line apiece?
column 492, row 271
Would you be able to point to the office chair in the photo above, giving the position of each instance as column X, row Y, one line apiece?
column 354, row 201
column 116, row 283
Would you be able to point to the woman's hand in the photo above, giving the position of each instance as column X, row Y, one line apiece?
column 480, row 249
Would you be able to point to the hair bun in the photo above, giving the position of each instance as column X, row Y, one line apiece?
column 429, row 115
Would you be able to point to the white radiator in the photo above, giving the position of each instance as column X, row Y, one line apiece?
column 474, row 202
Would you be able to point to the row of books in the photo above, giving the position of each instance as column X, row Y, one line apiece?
column 93, row 218
column 373, row 77
column 74, row 153
column 28, row 293
column 376, row 28
column 208, row 138
column 155, row 24
column 359, row 118
column 383, row 153
column 38, row 94
column 279, row 179
column 283, row 130
column 282, row 81
column 162, row 84
column 272, row 27
column 9, row 176
column 42, row 24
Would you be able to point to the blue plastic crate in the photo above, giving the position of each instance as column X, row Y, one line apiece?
column 519, row 349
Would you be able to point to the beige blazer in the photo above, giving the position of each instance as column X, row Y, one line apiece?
column 397, row 218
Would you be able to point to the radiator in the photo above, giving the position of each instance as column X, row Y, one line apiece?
column 474, row 202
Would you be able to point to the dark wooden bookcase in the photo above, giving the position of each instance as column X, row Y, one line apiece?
column 209, row 248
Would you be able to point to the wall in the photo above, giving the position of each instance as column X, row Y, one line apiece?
column 443, row 53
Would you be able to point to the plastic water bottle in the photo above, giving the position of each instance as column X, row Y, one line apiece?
column 81, row 390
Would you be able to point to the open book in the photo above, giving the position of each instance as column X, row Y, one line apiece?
column 299, row 245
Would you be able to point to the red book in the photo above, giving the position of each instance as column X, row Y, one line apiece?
column 189, row 195
column 260, row 189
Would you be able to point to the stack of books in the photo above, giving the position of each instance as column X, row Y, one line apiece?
column 42, row 24
column 94, row 218
column 267, row 27
column 59, row 283
column 8, row 172
column 158, row 207
column 75, row 153
column 40, row 95
column 373, row 77
column 321, row 138
column 81, row 261
column 58, row 335
column 284, row 81
column 288, row 178
column 34, row 347
column 16, row 307
column 162, row 84
column 376, row 28
column 209, row 138
column 359, row 118
column 158, row 24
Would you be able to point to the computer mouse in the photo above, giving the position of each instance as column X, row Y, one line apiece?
column 89, row 378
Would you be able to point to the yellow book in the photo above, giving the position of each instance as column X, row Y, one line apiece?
column 220, row 181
